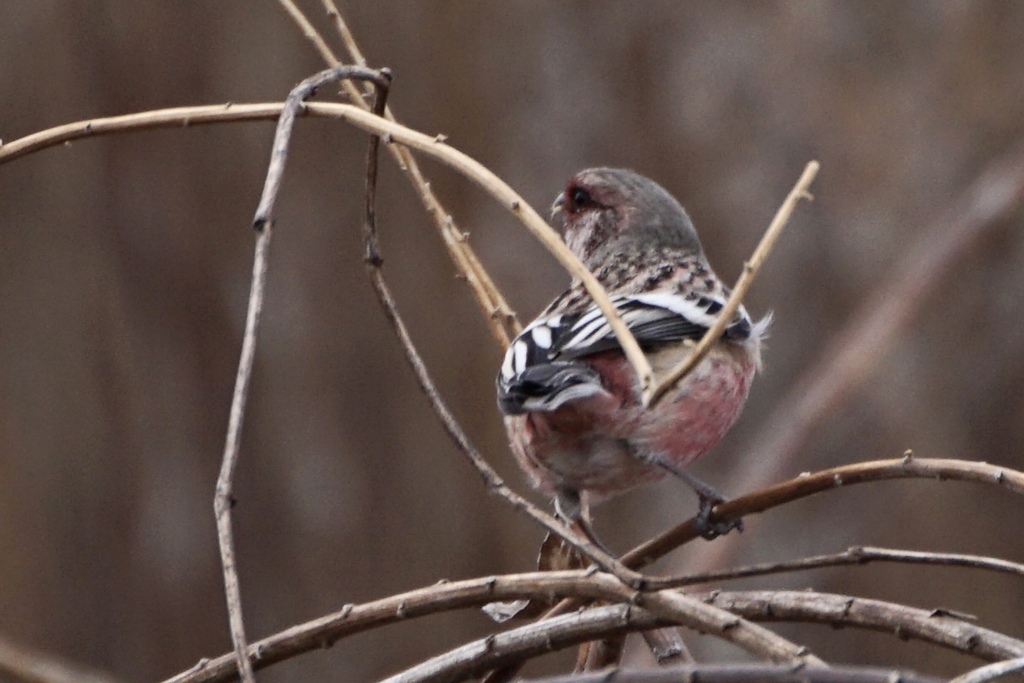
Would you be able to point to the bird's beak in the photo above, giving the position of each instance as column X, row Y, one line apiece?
column 559, row 205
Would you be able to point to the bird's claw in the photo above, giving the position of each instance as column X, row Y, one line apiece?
column 709, row 530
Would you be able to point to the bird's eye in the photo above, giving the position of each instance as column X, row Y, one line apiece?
column 580, row 197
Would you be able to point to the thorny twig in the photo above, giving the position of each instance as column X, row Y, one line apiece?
column 492, row 479
column 934, row 626
column 653, row 393
column 500, row 317
column 991, row 672
column 862, row 342
column 806, row 485
column 746, row 673
column 856, row 555
column 223, row 499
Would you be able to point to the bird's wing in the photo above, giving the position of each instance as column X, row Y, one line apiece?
column 541, row 369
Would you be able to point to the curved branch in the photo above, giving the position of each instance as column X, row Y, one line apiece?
column 746, row 673
column 907, row 467
column 653, row 394
column 937, row 627
column 856, row 555
column 987, row 673
column 500, row 317
column 223, row 500
column 390, row 132
column 669, row 607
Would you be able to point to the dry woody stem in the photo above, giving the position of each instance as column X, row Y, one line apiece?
column 500, row 317
column 652, row 394
column 223, row 499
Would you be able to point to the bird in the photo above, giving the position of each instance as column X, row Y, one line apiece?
column 571, row 401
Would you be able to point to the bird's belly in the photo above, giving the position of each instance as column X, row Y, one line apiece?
column 600, row 464
column 611, row 443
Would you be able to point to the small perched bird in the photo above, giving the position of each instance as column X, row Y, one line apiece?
column 571, row 399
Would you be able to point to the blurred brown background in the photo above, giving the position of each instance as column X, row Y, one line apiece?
column 125, row 261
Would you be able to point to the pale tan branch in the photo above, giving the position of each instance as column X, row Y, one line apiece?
column 856, row 350
column 991, row 672
column 391, row 132
column 935, row 626
column 745, row 673
column 501, row 319
column 809, row 484
column 857, row 555
column 652, row 394
column 20, row 664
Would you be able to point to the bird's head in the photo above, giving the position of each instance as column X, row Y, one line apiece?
column 608, row 210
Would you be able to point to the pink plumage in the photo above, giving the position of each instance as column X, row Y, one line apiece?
column 572, row 400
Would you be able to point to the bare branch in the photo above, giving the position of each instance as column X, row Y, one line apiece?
column 223, row 499
column 500, row 317
column 390, row 131
column 991, row 672
column 936, row 626
column 447, row 596
column 527, row 642
column 908, row 467
column 19, row 664
column 856, row 555
column 857, row 349
column 746, row 673
column 652, row 394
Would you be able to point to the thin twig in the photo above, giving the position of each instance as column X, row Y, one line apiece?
column 856, row 350
column 809, row 484
column 856, row 555
column 492, row 480
column 746, row 673
column 19, row 664
column 313, row 36
column 991, row 672
column 392, row 132
column 935, row 626
column 907, row 467
column 653, row 394
column 223, row 500
column 500, row 315
column 501, row 319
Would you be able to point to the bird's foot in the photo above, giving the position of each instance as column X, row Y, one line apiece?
column 709, row 498
column 707, row 529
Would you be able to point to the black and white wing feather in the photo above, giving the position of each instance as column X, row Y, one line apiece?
column 542, row 370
